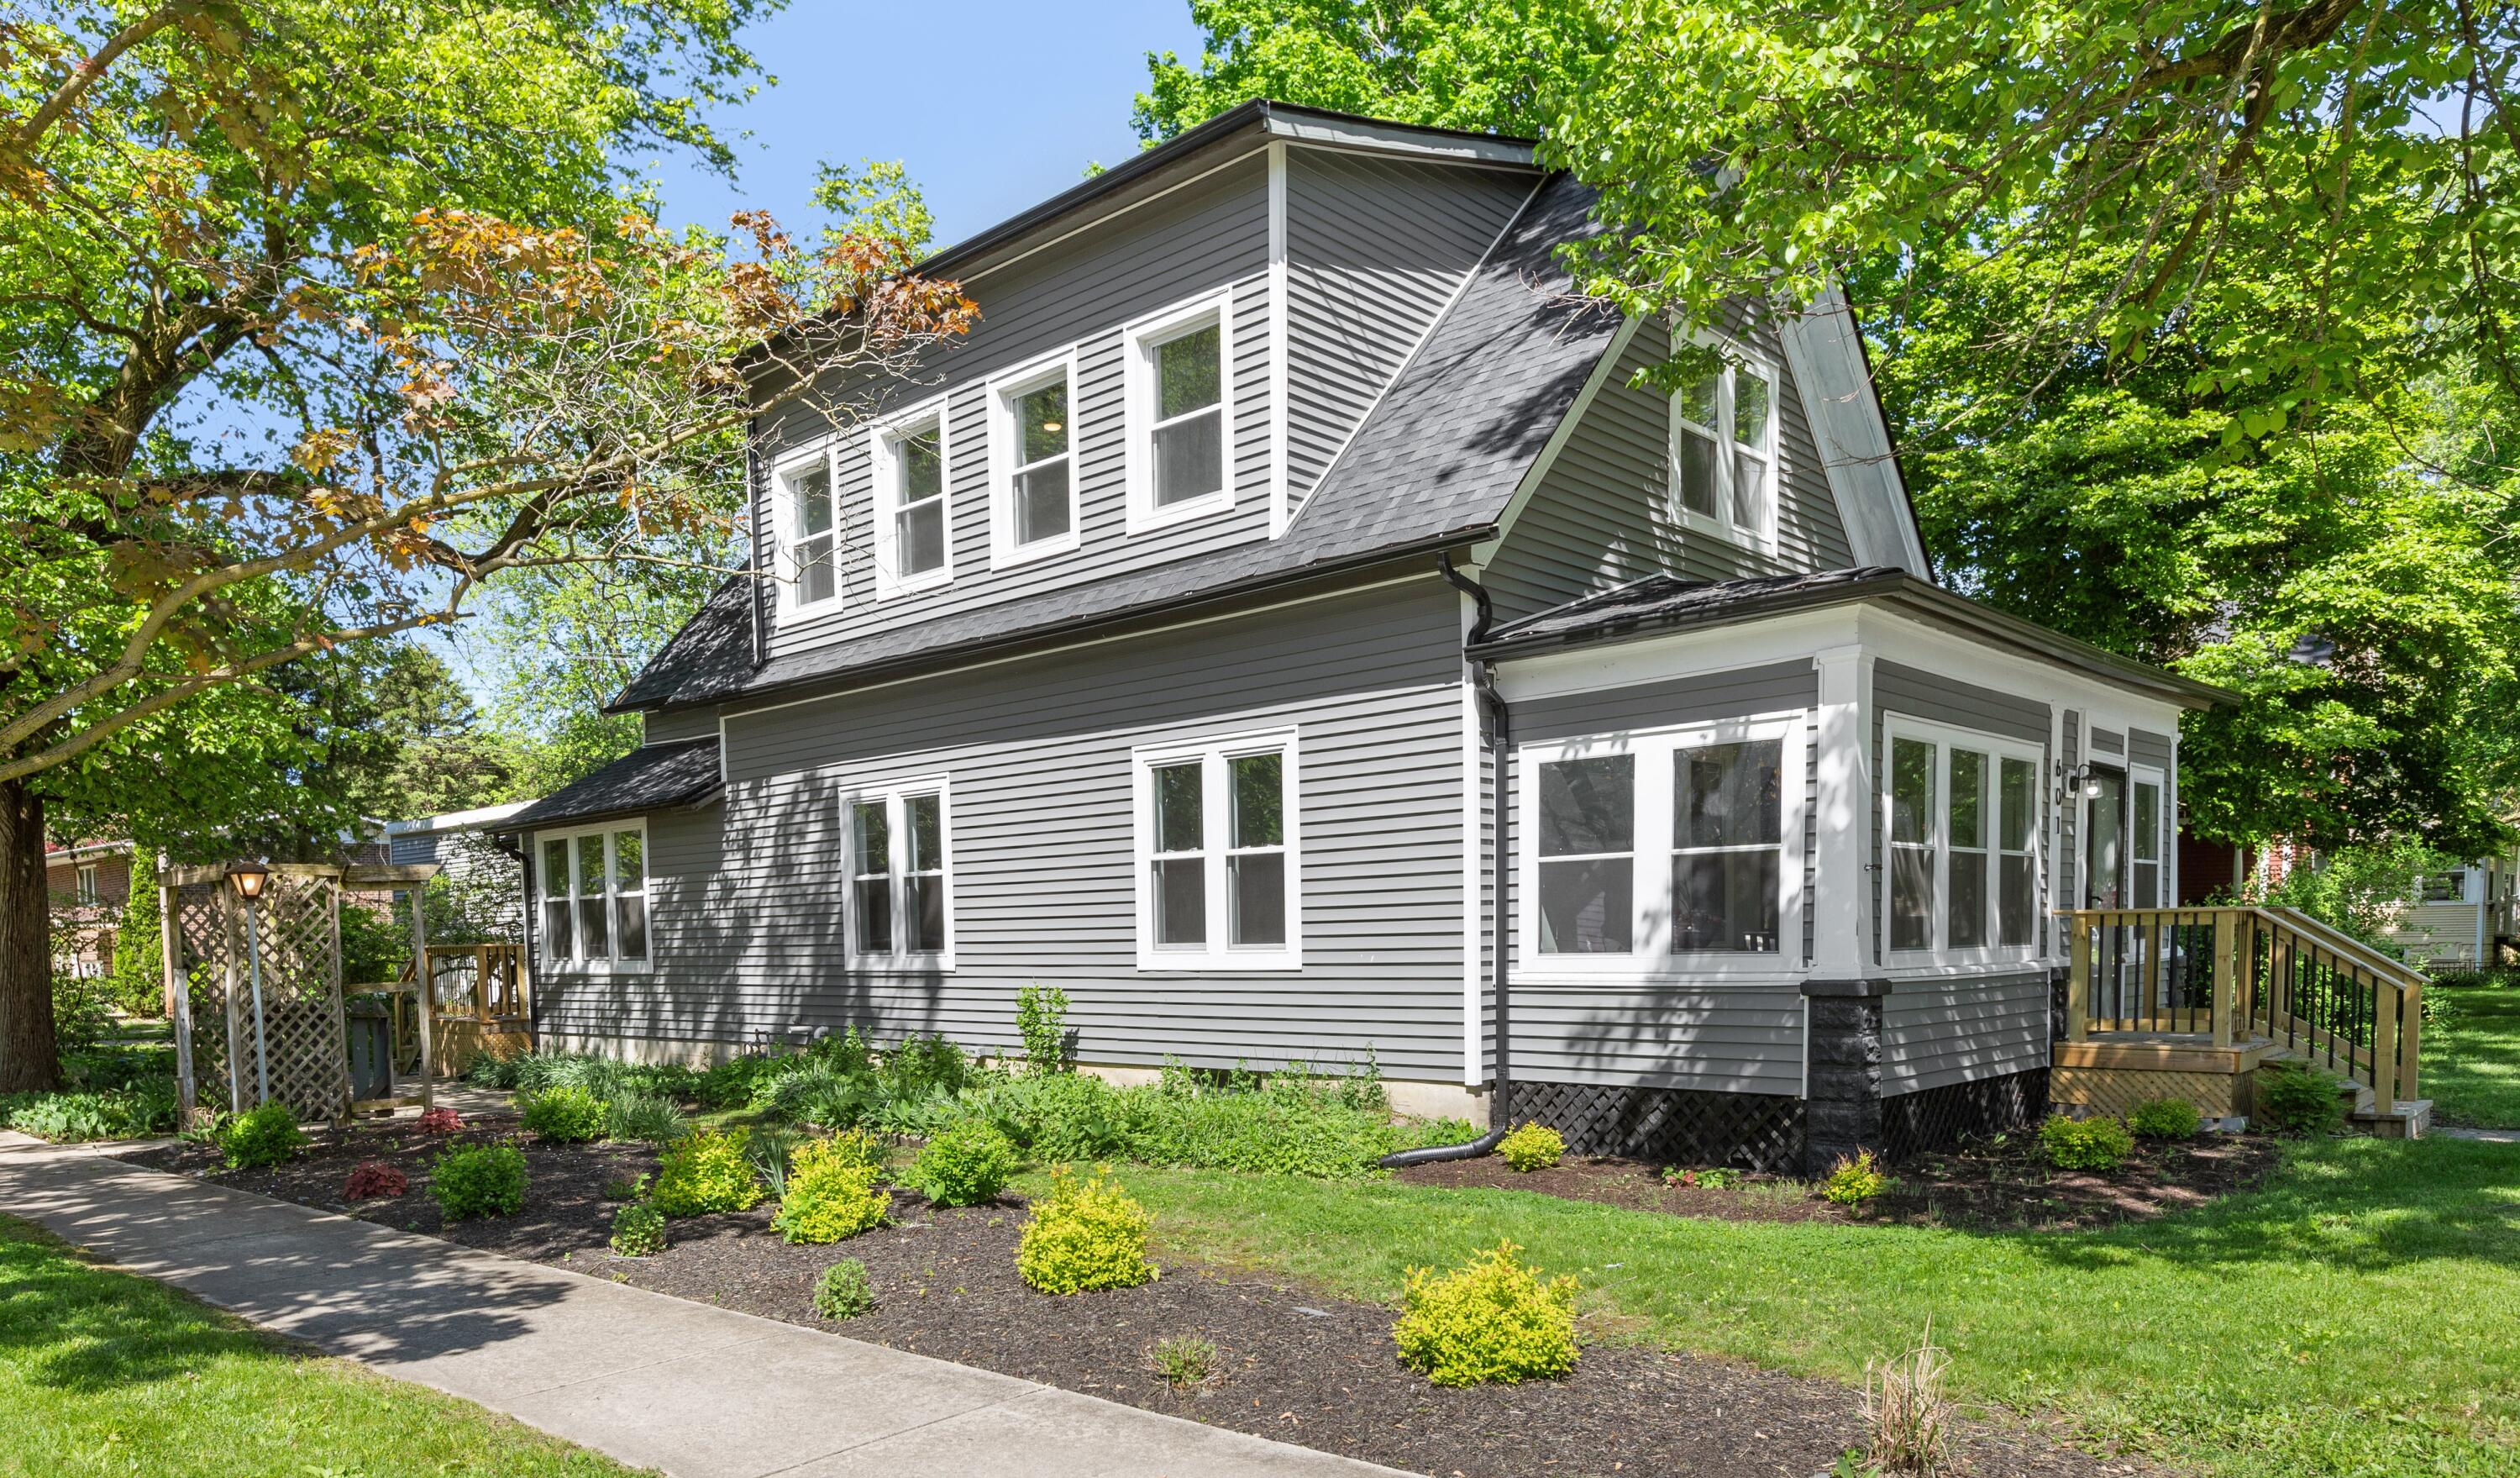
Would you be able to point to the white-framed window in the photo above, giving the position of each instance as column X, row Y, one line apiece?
column 88, row 888
column 1032, row 460
column 2443, row 888
column 1961, row 824
column 1178, row 369
column 898, row 854
column 2145, row 815
column 592, row 884
column 1667, row 852
column 804, row 496
column 914, row 517
column 1723, row 449
column 1219, row 855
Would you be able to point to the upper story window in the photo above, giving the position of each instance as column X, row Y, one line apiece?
column 805, row 513
column 89, row 889
column 1640, row 849
column 2443, row 888
column 899, row 861
column 1179, row 367
column 1032, row 459
column 1217, row 855
column 593, row 889
column 914, row 528
column 1724, row 452
column 1964, row 842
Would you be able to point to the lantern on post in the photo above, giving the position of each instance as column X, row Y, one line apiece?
column 248, row 878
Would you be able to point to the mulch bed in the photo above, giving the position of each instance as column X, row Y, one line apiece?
column 1297, row 1366
column 1992, row 1188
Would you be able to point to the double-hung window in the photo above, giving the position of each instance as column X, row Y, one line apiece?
column 2144, row 788
column 1662, row 853
column 1723, row 451
column 899, row 859
column 1178, row 373
column 913, row 528
column 90, row 891
column 806, row 515
column 1217, row 855
column 1032, row 460
column 1962, row 830
column 593, row 889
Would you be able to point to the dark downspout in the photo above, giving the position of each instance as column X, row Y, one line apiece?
column 1499, row 742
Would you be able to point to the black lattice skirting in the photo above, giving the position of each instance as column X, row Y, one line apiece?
column 1914, row 1123
column 1667, row 1125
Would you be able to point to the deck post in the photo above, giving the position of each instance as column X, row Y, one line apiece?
column 2384, row 1044
column 2410, row 1027
column 2226, row 973
column 426, row 991
column 2077, row 982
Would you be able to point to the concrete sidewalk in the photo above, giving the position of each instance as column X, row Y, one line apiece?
column 655, row 1381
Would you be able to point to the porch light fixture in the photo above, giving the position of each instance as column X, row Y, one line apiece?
column 248, row 878
column 2076, row 782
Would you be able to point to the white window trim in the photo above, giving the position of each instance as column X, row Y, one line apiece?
column 87, row 885
column 1002, row 390
column 1218, row 957
column 1739, row 359
column 783, row 523
column 576, row 959
column 892, row 794
column 2163, row 883
column 1652, row 958
column 884, row 458
column 1137, row 343
column 1997, row 749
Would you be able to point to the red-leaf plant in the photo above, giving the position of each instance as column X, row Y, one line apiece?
column 374, row 1178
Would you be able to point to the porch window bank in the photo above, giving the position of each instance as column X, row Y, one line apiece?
column 1963, row 840
column 595, row 896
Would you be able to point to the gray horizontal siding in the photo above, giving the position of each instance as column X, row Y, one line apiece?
column 2108, row 742
column 749, row 917
column 1935, row 1033
column 2148, row 749
column 1204, row 237
column 1374, row 249
column 413, row 849
column 1602, row 514
column 681, row 723
column 1656, row 705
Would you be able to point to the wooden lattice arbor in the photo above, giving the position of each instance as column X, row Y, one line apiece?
column 257, row 984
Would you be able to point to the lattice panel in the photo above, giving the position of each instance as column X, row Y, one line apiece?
column 2117, row 1090
column 201, row 954
column 1669, row 1126
column 297, row 929
column 1918, row 1122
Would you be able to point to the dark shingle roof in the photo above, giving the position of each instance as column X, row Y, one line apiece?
column 1433, row 465
column 645, row 779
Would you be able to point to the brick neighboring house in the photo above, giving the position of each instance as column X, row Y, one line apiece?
column 89, row 882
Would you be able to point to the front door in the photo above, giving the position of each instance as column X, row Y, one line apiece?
column 2104, row 842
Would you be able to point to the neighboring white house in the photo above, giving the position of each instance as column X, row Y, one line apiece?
column 487, row 882
column 2460, row 918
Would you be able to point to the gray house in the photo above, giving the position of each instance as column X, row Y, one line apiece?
column 1286, row 574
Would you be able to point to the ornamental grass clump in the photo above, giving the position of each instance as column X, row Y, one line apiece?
column 561, row 1115
column 831, row 1192
column 1905, row 1410
column 1084, row 1235
column 265, row 1134
column 705, row 1171
column 636, row 1118
column 2099, row 1142
column 844, row 1291
column 1492, row 1321
column 964, row 1165
column 2165, row 1119
column 478, row 1180
column 1854, row 1179
column 1534, row 1146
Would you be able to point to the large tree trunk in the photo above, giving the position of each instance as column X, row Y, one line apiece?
column 29, row 1059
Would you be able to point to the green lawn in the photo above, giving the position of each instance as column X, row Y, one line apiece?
column 107, row 1373
column 2471, row 1069
column 2359, row 1316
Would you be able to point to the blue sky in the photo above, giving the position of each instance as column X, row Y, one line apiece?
column 994, row 107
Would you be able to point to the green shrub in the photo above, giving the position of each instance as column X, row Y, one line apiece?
column 1041, row 1019
column 1425, row 1134
column 844, row 1291
column 639, row 1118
column 1285, row 1128
column 478, row 1180
column 565, row 1114
column 833, row 1095
column 1085, row 1234
column 832, row 1192
column 2166, row 1119
column 924, row 1067
column 1493, row 1320
column 1854, row 1179
column 706, row 1172
column 2099, row 1142
column 265, row 1134
column 637, row 1230
column 966, row 1165
column 1072, row 1117
column 80, row 1012
column 136, row 1112
column 1534, row 1146
column 2294, row 1099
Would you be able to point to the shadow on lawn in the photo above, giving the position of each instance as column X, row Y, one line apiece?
column 2356, row 1204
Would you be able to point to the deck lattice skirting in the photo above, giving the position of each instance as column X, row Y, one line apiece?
column 1762, row 1131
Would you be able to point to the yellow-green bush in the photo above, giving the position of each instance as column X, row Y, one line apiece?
column 1085, row 1234
column 705, row 1171
column 832, row 1191
column 1855, row 1180
column 1534, row 1146
column 1493, row 1320
column 2099, row 1142
column 2166, row 1119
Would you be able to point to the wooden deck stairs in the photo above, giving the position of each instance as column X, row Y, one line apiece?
column 2190, row 1002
